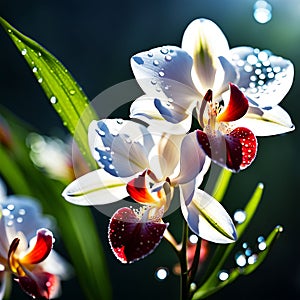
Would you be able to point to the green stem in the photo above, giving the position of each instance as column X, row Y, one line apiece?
column 184, row 279
column 195, row 264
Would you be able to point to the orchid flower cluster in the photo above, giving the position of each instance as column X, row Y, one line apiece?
column 26, row 249
column 235, row 95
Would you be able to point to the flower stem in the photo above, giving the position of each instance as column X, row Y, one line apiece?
column 184, row 280
column 195, row 264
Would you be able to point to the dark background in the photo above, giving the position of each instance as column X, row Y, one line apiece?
column 95, row 40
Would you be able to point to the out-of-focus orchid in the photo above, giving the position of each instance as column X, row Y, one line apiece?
column 26, row 249
column 147, row 166
column 176, row 80
column 53, row 156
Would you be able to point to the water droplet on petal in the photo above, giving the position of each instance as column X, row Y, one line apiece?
column 72, row 92
column 164, row 50
column 155, row 62
column 19, row 219
column 168, row 57
column 34, row 69
column 24, row 52
column 10, row 207
column 22, row 211
column 10, row 223
column 150, row 54
column 161, row 74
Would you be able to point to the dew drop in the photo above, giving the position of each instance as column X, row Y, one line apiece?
column 22, row 211
column 240, row 259
column 10, row 223
column 5, row 212
column 164, row 50
column 223, row 275
column 72, row 92
column 112, row 167
column 193, row 239
column 2, row 268
column 161, row 273
column 10, row 207
column 252, row 59
column 155, row 62
column 53, row 100
column 161, row 74
column 24, row 52
column 252, row 259
column 150, row 54
column 168, row 57
column 240, row 216
column 153, row 81
column 19, row 219
column 120, row 121
column 40, row 80
column 9, row 31
column 34, row 69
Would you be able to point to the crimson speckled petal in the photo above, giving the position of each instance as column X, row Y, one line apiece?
column 130, row 238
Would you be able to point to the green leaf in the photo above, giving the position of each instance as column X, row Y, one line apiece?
column 62, row 91
column 212, row 284
column 221, row 185
column 74, row 222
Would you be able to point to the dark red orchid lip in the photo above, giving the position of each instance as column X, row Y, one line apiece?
column 130, row 238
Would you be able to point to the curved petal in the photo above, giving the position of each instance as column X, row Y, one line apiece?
column 190, row 165
column 96, row 188
column 40, row 285
column 165, row 73
column 234, row 151
column 3, row 283
column 264, row 122
column 24, row 214
column 130, row 238
column 144, row 109
column 208, row 219
column 241, row 145
column 121, row 147
column 3, row 191
column 41, row 249
column 205, row 42
column 236, row 108
column 265, row 77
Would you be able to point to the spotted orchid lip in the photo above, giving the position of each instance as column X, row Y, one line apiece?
column 130, row 238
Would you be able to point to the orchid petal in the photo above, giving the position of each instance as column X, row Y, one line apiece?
column 20, row 218
column 138, row 190
column 236, row 108
column 169, row 153
column 205, row 42
column 40, row 285
column 57, row 265
column 190, row 165
column 265, row 77
column 165, row 73
column 241, row 145
column 130, row 238
column 264, row 122
column 144, row 109
column 120, row 146
column 234, row 151
column 3, row 191
column 208, row 219
column 3, row 283
column 41, row 249
column 96, row 188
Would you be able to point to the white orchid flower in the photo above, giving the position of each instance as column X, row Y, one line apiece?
column 147, row 166
column 235, row 92
column 26, row 249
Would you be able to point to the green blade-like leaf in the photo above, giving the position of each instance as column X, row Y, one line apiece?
column 262, row 255
column 212, row 283
column 74, row 222
column 65, row 95
column 221, row 185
